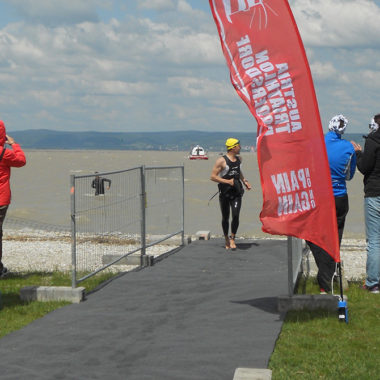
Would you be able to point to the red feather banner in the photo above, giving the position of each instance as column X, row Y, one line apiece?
column 270, row 72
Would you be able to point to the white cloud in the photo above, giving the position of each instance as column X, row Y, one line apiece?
column 156, row 4
column 327, row 72
column 48, row 98
column 366, row 58
column 56, row 12
column 117, row 87
column 337, row 22
column 144, row 72
column 202, row 88
column 98, row 71
column 323, row 71
column 184, row 6
column 168, row 5
column 371, row 78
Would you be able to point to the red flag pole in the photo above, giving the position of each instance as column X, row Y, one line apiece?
column 270, row 72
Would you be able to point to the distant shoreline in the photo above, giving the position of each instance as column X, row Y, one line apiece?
column 178, row 141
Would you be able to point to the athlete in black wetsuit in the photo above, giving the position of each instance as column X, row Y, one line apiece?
column 228, row 174
column 98, row 184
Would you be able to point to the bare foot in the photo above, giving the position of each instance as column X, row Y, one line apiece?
column 227, row 243
column 232, row 243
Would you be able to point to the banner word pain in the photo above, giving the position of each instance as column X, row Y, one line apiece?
column 294, row 190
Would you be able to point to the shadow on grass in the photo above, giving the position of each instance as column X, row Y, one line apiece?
column 306, row 285
column 305, row 315
column 26, row 275
column 106, row 282
column 29, row 278
column 12, row 283
column 11, row 300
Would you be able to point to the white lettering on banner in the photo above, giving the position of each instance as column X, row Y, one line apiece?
column 294, row 190
column 272, row 90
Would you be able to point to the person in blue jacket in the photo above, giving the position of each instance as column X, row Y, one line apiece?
column 342, row 162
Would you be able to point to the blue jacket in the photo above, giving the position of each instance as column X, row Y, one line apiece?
column 342, row 161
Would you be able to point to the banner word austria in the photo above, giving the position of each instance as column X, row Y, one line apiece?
column 272, row 90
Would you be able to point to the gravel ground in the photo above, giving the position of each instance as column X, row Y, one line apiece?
column 353, row 257
column 30, row 250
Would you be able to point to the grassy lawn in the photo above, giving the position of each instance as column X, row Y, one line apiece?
column 315, row 345
column 16, row 314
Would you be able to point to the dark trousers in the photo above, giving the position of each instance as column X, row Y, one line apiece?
column 325, row 263
column 3, row 211
column 226, row 205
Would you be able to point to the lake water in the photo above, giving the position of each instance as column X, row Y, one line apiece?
column 41, row 189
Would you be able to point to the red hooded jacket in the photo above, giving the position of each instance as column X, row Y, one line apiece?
column 12, row 157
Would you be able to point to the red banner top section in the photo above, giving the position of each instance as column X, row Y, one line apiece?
column 270, row 72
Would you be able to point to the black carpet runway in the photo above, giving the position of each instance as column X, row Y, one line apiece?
column 196, row 315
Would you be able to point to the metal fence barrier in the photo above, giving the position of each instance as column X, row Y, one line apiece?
column 22, row 223
column 165, row 210
column 295, row 254
column 119, row 213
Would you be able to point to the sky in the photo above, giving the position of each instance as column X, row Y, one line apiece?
column 157, row 65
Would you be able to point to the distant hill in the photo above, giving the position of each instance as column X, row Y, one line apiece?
column 177, row 140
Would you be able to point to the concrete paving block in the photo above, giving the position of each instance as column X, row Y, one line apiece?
column 203, row 235
column 308, row 301
column 174, row 240
column 52, row 293
column 132, row 259
column 147, row 260
column 135, row 258
column 252, row 374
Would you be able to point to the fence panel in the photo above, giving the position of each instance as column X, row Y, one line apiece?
column 295, row 253
column 113, row 213
column 164, row 187
column 106, row 219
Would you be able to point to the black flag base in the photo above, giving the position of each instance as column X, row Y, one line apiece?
column 342, row 304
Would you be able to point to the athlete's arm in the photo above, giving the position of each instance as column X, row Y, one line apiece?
column 220, row 164
column 245, row 181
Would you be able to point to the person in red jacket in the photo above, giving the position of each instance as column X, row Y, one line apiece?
column 13, row 157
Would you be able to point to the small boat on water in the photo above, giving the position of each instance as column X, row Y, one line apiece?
column 198, row 153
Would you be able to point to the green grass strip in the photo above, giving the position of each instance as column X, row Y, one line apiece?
column 16, row 313
column 315, row 345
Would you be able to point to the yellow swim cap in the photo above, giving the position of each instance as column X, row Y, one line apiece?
column 231, row 143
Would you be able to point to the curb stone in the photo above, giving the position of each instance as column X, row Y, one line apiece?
column 252, row 374
column 52, row 293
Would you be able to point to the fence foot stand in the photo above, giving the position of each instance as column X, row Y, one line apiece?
column 147, row 261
